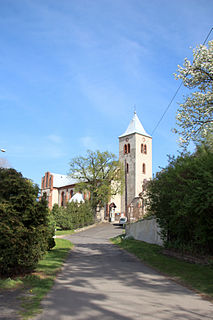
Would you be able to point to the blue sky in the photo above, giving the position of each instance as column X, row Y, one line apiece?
column 71, row 72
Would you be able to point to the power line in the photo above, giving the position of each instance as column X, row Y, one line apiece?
column 176, row 92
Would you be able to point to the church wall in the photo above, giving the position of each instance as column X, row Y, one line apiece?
column 54, row 196
column 142, row 158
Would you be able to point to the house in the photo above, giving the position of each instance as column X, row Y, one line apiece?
column 135, row 152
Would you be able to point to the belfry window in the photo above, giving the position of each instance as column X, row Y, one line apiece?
column 126, row 148
column 144, row 148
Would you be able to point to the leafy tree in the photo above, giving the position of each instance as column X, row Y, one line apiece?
column 195, row 114
column 99, row 173
column 181, row 198
column 26, row 231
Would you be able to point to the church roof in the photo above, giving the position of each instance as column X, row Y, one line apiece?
column 62, row 180
column 135, row 126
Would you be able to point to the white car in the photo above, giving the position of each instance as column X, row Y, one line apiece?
column 122, row 221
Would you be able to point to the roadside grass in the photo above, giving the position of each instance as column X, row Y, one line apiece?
column 63, row 232
column 37, row 284
column 195, row 276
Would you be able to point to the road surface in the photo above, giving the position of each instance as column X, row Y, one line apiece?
column 102, row 282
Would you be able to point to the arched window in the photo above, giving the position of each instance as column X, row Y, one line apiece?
column 62, row 199
column 142, row 148
column 128, row 148
column 125, row 149
column 144, row 168
column 127, row 168
column 145, row 149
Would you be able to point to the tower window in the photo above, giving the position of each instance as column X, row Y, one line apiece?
column 144, row 148
column 126, row 148
column 127, row 168
column 144, row 168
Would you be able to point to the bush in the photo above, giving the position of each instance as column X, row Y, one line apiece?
column 25, row 228
column 73, row 216
column 181, row 197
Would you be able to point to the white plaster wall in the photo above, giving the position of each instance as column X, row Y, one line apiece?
column 140, row 159
column 54, row 197
column 145, row 230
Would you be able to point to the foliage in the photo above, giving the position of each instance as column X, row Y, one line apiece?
column 73, row 216
column 37, row 284
column 195, row 114
column 41, row 282
column 196, row 276
column 181, row 198
column 99, row 173
column 25, row 230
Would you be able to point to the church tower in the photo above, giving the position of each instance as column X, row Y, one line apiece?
column 135, row 152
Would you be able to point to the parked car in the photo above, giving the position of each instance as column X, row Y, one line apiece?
column 122, row 221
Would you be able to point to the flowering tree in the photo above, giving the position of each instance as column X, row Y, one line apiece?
column 195, row 114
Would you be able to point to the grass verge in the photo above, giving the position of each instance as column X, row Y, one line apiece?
column 63, row 232
column 37, row 284
column 195, row 276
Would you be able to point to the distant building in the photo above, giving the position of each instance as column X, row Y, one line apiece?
column 135, row 152
column 57, row 188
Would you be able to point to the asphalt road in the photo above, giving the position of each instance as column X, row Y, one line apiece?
column 101, row 282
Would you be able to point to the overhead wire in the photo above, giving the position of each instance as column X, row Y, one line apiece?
column 176, row 92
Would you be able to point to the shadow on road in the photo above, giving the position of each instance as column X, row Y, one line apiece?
column 100, row 281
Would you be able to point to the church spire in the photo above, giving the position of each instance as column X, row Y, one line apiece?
column 135, row 126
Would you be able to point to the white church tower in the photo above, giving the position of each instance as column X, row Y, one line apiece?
column 135, row 152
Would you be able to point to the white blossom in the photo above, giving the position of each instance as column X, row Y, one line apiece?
column 194, row 117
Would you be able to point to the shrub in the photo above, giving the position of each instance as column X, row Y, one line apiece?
column 25, row 229
column 73, row 216
column 181, row 197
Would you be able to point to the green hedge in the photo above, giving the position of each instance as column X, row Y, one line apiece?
column 181, row 198
column 26, row 229
column 73, row 216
